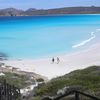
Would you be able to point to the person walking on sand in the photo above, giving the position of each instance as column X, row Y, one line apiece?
column 58, row 60
column 53, row 60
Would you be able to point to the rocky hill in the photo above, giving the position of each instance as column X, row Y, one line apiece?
column 56, row 11
column 10, row 12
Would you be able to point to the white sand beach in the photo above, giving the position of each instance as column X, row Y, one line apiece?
column 68, row 63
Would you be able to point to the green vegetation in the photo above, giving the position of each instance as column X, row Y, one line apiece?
column 37, row 98
column 16, row 79
column 88, row 79
column 40, row 80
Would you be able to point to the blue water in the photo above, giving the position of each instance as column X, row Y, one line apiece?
column 39, row 36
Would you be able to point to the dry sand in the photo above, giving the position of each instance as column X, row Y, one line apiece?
column 68, row 63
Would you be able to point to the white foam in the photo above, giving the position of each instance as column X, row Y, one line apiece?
column 88, row 40
column 85, row 41
column 97, row 29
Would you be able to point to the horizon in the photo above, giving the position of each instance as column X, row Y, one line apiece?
column 45, row 4
column 45, row 8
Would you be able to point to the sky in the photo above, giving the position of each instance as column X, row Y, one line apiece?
column 46, row 4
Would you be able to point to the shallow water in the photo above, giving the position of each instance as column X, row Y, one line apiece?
column 40, row 36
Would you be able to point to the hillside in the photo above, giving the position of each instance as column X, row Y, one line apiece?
column 18, row 78
column 56, row 11
column 10, row 12
column 86, row 80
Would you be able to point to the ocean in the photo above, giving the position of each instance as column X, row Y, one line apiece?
column 43, row 36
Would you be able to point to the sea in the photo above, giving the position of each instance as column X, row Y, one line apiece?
column 47, row 36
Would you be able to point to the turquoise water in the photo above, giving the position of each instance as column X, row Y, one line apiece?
column 39, row 36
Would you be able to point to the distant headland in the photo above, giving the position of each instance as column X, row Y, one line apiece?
column 55, row 11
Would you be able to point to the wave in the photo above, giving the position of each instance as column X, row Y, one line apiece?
column 93, row 35
column 97, row 30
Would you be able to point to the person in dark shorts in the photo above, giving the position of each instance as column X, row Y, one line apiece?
column 58, row 60
column 53, row 60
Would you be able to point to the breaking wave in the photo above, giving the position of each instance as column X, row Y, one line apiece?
column 93, row 35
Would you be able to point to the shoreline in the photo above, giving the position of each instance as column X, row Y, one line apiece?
column 50, row 15
column 67, row 63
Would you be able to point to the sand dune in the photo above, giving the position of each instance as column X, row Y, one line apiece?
column 68, row 63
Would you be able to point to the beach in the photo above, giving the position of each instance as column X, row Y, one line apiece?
column 68, row 63
column 31, row 42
